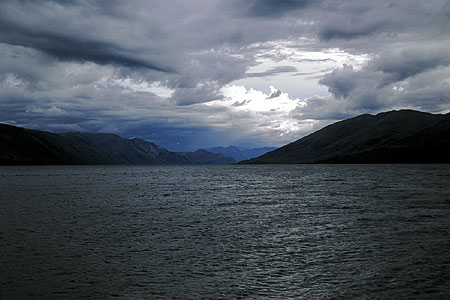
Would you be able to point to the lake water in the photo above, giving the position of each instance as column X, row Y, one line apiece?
column 225, row 232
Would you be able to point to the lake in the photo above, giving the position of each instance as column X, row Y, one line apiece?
column 225, row 232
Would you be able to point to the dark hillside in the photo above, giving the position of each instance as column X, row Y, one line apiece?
column 404, row 136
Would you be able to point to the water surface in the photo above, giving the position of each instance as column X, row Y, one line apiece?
column 225, row 232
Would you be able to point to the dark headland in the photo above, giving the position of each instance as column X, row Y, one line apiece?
column 404, row 136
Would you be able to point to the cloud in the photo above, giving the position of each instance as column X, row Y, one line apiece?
column 340, row 82
column 72, row 48
column 400, row 65
column 201, row 94
column 65, row 45
column 48, row 111
column 385, row 20
column 276, row 8
column 397, row 78
column 274, row 93
column 274, row 71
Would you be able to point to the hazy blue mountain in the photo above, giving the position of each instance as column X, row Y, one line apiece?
column 404, row 136
column 207, row 158
column 19, row 146
column 239, row 153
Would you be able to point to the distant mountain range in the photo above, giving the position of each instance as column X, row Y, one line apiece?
column 239, row 153
column 203, row 157
column 404, row 136
column 19, row 146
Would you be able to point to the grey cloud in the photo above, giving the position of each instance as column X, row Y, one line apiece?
column 276, row 8
column 273, row 71
column 340, row 82
column 240, row 103
column 352, row 19
column 349, row 32
column 321, row 108
column 403, row 78
column 220, row 68
column 274, row 94
column 388, row 68
column 316, row 60
column 410, row 62
column 67, row 47
column 428, row 91
column 188, row 96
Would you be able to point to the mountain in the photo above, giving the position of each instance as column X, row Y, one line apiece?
column 239, row 153
column 404, row 136
column 19, row 146
column 105, row 148
column 207, row 158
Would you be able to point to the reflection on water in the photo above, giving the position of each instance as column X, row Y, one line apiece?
column 225, row 232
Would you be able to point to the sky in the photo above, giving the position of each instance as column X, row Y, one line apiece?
column 189, row 74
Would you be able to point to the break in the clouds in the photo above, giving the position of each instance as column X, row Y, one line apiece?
column 191, row 74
